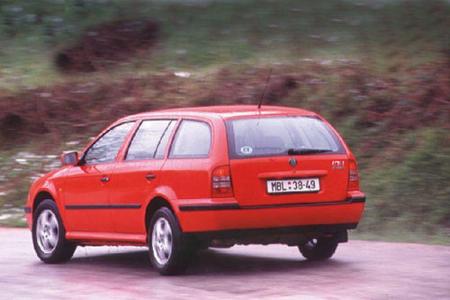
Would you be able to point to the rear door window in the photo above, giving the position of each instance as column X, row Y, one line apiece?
column 150, row 140
column 193, row 139
column 271, row 136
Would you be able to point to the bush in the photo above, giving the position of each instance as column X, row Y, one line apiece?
column 412, row 194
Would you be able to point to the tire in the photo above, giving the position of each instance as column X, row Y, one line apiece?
column 169, row 249
column 48, row 234
column 319, row 249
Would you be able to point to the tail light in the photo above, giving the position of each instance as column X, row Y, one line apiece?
column 353, row 176
column 221, row 182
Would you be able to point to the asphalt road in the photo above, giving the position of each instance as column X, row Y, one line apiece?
column 359, row 270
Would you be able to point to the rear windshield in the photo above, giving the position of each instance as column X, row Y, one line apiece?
column 271, row 136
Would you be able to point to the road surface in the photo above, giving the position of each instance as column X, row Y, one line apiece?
column 359, row 270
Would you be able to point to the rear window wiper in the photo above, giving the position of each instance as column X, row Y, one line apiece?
column 299, row 151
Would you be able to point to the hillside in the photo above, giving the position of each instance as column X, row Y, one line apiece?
column 378, row 70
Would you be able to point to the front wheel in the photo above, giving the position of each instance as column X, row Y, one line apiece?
column 48, row 233
column 169, row 248
column 319, row 248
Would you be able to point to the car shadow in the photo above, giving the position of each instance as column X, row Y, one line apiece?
column 215, row 262
column 205, row 262
column 132, row 260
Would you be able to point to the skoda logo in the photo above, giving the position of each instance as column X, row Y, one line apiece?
column 293, row 162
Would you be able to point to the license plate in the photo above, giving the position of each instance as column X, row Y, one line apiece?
column 293, row 186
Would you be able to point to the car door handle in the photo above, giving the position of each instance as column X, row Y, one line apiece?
column 150, row 176
column 104, row 179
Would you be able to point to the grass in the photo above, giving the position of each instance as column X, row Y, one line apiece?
column 412, row 193
column 386, row 35
column 400, row 235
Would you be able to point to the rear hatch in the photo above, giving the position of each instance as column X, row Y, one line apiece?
column 286, row 159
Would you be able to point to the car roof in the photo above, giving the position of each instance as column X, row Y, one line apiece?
column 222, row 111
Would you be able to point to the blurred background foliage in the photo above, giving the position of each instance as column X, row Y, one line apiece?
column 378, row 70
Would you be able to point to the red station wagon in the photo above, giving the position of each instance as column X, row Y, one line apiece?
column 179, row 180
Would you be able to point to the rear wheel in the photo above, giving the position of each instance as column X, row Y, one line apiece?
column 319, row 248
column 48, row 233
column 169, row 248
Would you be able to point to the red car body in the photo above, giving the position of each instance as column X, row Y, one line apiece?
column 213, row 194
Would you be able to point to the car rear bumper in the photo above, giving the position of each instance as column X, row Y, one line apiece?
column 231, row 216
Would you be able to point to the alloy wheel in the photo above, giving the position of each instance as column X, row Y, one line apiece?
column 47, row 231
column 162, row 241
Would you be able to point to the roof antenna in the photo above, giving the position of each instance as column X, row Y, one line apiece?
column 265, row 89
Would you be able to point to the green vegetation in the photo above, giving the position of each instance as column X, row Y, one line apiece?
column 385, row 35
column 410, row 198
column 378, row 70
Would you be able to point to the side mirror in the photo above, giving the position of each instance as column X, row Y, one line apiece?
column 69, row 158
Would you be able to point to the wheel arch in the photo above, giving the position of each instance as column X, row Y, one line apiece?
column 41, row 196
column 156, row 203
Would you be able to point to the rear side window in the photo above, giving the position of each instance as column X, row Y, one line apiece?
column 105, row 149
column 193, row 139
column 276, row 135
column 150, row 140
